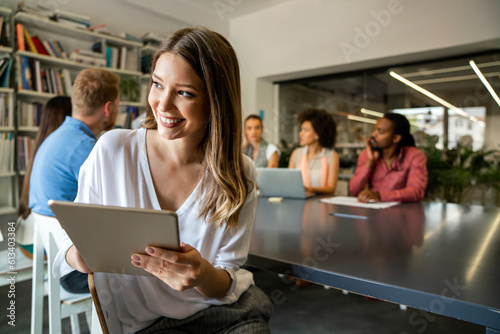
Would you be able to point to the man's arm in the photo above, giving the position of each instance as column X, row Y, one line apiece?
column 361, row 178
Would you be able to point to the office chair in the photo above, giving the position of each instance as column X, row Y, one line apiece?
column 62, row 304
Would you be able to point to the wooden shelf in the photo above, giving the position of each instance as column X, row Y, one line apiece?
column 6, row 90
column 5, row 11
column 28, row 129
column 132, row 104
column 7, row 210
column 6, row 49
column 66, row 63
column 35, row 94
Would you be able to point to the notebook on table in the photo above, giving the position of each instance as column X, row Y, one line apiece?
column 106, row 236
column 281, row 182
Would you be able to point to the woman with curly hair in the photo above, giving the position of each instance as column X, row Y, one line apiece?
column 316, row 158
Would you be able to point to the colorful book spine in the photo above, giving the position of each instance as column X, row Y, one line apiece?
column 20, row 37
column 25, row 73
column 29, row 42
column 39, row 46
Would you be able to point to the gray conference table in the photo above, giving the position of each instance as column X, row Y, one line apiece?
column 438, row 257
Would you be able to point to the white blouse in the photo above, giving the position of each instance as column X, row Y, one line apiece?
column 117, row 173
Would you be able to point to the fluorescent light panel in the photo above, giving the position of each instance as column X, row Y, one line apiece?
column 434, row 97
column 380, row 114
column 361, row 119
column 372, row 112
column 485, row 82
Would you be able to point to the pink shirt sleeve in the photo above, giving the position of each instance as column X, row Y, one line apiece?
column 361, row 176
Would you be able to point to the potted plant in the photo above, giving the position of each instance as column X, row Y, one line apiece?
column 454, row 174
column 129, row 88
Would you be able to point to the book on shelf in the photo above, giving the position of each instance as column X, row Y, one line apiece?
column 24, row 79
column 123, row 58
column 55, row 81
column 152, row 38
column 89, row 53
column 58, row 14
column 2, row 27
column 55, row 48
column 6, row 113
column 6, row 152
column 114, row 56
column 30, row 113
column 29, row 42
column 89, row 60
column 39, row 46
column 20, row 37
column 60, row 88
column 60, row 49
column 5, row 76
column 49, row 49
column 132, row 60
column 99, row 48
column 4, row 33
column 25, row 146
column 130, row 37
column 39, row 10
column 67, row 83
column 38, row 76
column 73, row 23
column 4, row 61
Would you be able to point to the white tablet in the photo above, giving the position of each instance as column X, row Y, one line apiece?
column 106, row 236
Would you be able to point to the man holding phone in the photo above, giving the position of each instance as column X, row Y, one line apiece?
column 390, row 168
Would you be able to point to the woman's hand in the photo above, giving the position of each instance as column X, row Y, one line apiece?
column 181, row 270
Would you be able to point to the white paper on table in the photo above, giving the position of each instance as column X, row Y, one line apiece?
column 353, row 201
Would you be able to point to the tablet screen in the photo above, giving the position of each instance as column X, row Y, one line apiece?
column 106, row 236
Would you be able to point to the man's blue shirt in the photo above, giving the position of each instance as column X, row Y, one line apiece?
column 57, row 163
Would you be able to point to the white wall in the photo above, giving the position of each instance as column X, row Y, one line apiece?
column 302, row 38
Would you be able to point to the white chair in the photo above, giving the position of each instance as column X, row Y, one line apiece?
column 47, row 236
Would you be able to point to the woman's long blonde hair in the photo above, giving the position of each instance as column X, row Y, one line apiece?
column 225, row 186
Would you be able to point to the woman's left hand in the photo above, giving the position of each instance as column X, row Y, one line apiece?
column 181, row 270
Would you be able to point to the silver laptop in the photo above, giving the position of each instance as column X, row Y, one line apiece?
column 281, row 182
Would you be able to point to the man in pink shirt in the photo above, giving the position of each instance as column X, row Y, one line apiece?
column 391, row 168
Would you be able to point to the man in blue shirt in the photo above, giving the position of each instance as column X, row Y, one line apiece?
column 54, row 175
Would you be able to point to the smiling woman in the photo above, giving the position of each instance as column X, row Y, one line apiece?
column 187, row 158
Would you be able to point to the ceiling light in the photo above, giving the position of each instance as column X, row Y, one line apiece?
column 380, row 114
column 485, row 82
column 372, row 112
column 434, row 97
column 361, row 119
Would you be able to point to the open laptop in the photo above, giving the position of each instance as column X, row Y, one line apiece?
column 281, row 182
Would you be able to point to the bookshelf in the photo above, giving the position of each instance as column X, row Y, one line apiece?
column 8, row 176
column 49, row 74
column 52, row 72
